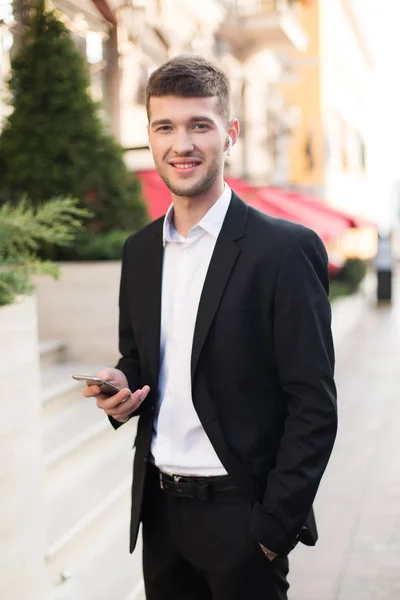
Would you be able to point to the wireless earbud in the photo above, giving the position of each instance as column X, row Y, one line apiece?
column 230, row 144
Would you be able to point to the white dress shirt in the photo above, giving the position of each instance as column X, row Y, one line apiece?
column 180, row 444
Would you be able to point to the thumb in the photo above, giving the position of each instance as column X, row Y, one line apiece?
column 105, row 374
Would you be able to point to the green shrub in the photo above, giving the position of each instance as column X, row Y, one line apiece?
column 23, row 229
column 352, row 273
column 89, row 245
column 338, row 288
column 54, row 142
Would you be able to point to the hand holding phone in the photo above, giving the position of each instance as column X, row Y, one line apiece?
column 111, row 389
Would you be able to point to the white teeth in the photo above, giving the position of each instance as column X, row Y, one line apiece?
column 185, row 166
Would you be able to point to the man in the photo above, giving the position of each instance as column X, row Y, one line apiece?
column 227, row 358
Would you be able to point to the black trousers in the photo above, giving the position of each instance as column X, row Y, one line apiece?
column 201, row 549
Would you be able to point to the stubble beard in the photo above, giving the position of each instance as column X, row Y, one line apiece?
column 198, row 188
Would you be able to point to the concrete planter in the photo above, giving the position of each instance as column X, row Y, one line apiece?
column 22, row 524
column 81, row 308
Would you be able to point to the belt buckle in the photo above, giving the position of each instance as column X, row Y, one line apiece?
column 176, row 478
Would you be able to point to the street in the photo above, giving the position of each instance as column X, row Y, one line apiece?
column 358, row 505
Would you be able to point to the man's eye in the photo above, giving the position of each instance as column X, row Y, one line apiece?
column 164, row 128
column 201, row 126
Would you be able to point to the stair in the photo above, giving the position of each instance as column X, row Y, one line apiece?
column 88, row 474
column 52, row 352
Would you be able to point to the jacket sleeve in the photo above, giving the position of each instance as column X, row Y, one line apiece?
column 129, row 363
column 305, row 363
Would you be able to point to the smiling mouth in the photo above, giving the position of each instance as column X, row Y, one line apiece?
column 184, row 166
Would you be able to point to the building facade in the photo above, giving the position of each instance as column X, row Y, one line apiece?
column 252, row 39
column 245, row 39
column 123, row 41
column 331, row 83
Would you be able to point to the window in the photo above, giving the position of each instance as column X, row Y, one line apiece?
column 309, row 153
column 142, row 85
column 344, row 146
column 362, row 152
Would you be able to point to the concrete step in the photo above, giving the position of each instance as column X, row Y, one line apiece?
column 71, row 425
column 52, row 352
column 87, row 481
column 82, row 481
column 98, row 565
column 57, row 382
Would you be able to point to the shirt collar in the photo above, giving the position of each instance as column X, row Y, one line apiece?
column 211, row 222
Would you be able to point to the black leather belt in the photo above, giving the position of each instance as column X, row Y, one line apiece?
column 195, row 487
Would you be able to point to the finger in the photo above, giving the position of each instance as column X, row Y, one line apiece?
column 110, row 402
column 145, row 391
column 138, row 396
column 126, row 408
column 141, row 394
column 91, row 390
column 100, row 399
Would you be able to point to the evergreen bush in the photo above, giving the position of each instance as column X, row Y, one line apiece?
column 349, row 278
column 352, row 273
column 23, row 230
column 54, row 143
column 104, row 245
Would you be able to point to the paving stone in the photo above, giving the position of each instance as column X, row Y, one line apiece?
column 358, row 505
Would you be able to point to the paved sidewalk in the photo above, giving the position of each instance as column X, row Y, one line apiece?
column 358, row 505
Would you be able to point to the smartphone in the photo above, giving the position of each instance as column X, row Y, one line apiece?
column 106, row 387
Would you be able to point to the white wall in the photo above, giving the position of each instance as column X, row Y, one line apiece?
column 82, row 310
column 22, row 523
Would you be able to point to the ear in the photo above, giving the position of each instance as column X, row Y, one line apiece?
column 233, row 131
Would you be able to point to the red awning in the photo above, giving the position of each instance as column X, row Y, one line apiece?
column 328, row 225
column 241, row 187
column 156, row 194
column 318, row 205
column 328, row 222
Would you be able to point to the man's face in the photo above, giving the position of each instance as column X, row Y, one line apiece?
column 188, row 137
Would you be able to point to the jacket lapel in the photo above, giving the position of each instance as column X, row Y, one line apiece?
column 224, row 257
column 150, row 291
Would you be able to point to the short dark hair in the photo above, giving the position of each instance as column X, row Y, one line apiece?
column 190, row 76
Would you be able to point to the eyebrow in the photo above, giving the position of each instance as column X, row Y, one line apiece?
column 197, row 119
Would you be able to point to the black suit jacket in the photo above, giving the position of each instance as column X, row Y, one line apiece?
column 262, row 364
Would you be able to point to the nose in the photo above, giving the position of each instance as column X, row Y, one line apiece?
column 182, row 143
